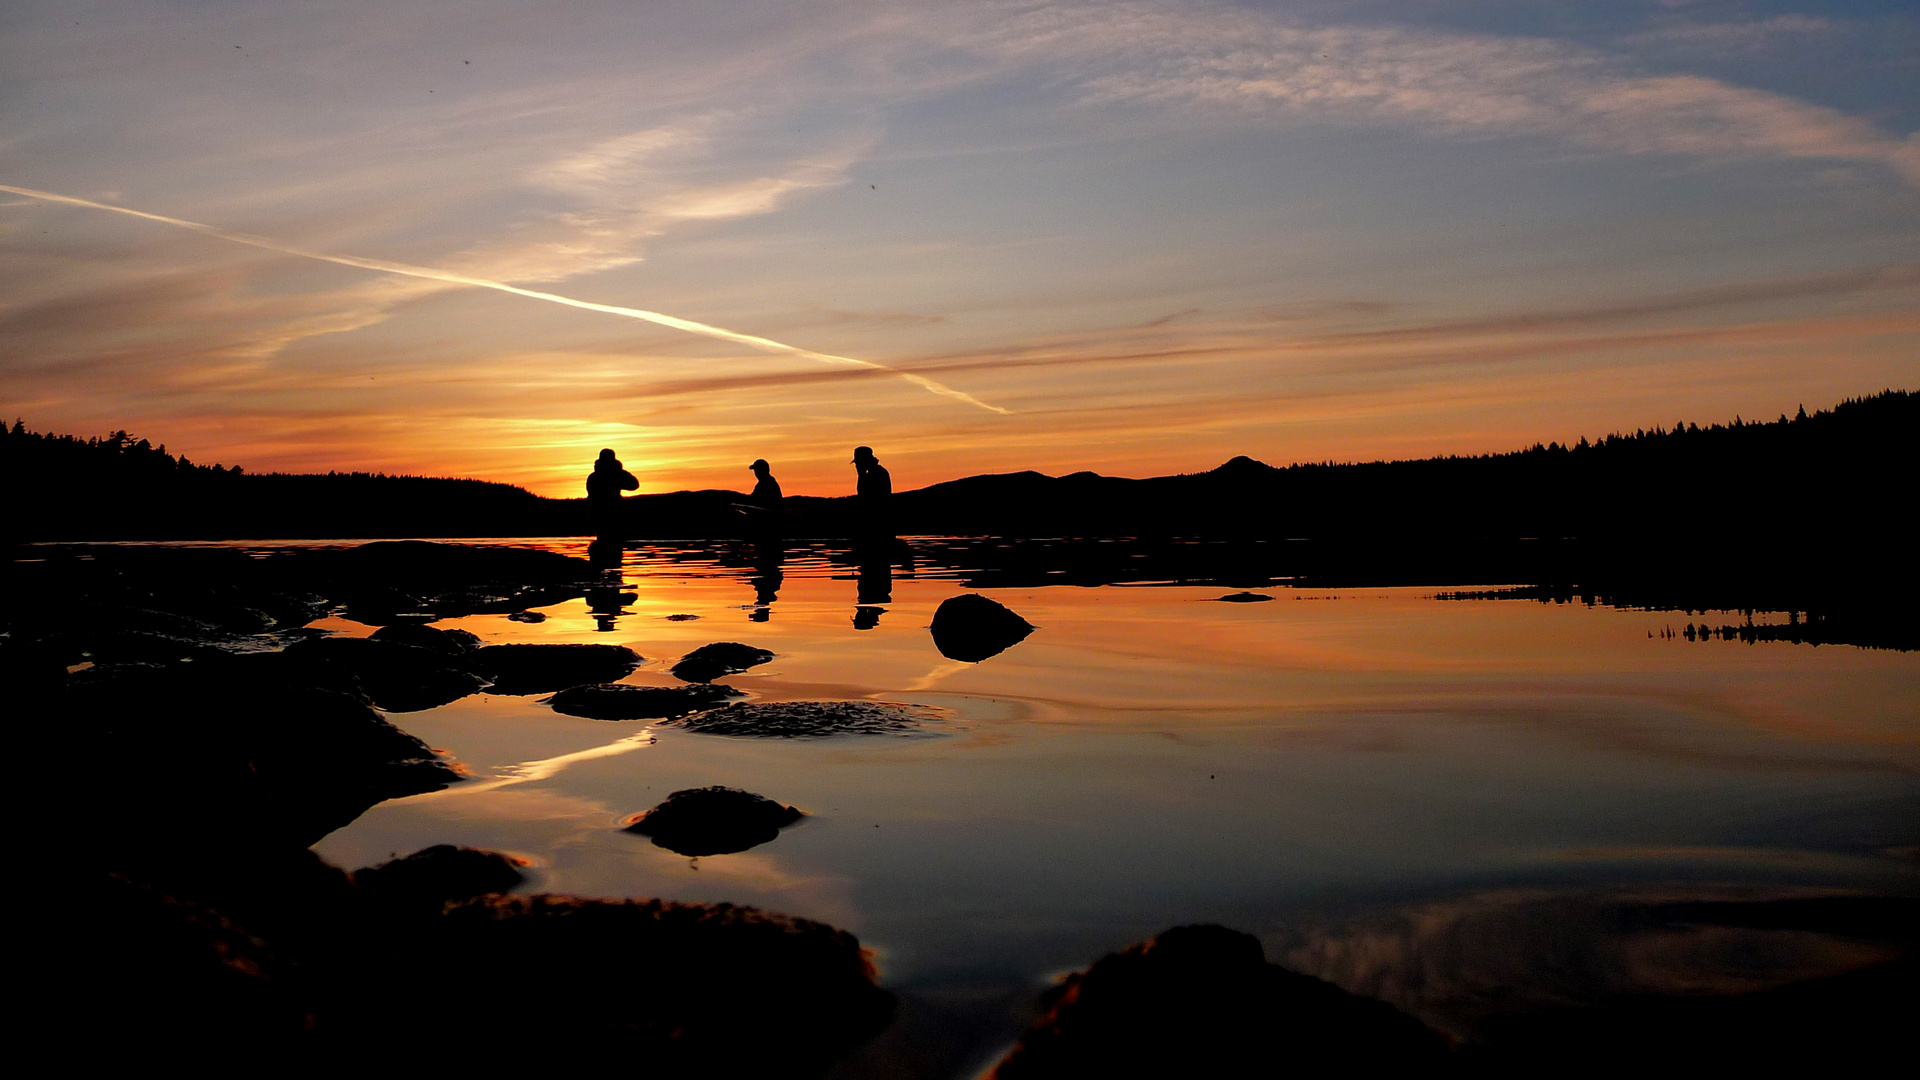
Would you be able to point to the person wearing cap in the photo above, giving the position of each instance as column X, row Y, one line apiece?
column 766, row 490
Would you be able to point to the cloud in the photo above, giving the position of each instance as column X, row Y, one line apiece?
column 455, row 278
column 1230, row 61
column 1748, row 36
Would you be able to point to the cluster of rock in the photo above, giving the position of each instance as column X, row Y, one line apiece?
column 221, row 739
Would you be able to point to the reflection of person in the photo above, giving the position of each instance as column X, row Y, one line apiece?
column 872, row 493
column 604, row 486
column 766, row 490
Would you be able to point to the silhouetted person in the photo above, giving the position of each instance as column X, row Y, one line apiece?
column 872, row 494
column 766, row 490
column 604, row 486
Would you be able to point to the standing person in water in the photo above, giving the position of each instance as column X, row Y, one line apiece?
column 766, row 490
column 604, row 485
column 872, row 493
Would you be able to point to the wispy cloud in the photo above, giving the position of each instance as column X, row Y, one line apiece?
column 1200, row 56
column 449, row 277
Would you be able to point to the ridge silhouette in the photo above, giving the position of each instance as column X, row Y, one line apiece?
column 1820, row 479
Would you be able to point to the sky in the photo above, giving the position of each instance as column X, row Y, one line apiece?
column 1140, row 237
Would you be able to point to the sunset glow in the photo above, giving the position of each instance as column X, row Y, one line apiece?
column 1136, row 237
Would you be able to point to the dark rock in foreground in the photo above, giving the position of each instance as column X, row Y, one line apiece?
column 239, row 751
column 619, row 701
column 810, row 719
column 710, row 662
column 673, row 989
column 714, row 821
column 542, row 669
column 397, row 677
column 431, row 638
column 1203, row 1001
column 1243, row 598
column 441, row 873
column 970, row 627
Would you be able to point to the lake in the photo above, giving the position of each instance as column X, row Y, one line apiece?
column 1462, row 806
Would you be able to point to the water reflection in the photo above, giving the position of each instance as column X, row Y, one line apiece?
column 1435, row 802
column 766, row 576
column 607, row 600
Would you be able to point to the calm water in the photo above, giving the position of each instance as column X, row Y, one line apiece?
column 1422, row 799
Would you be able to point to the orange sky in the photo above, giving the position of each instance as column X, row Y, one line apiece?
column 1136, row 237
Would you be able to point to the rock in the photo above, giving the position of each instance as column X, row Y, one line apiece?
column 810, row 719
column 619, row 701
column 239, row 751
column 433, row 639
column 1203, row 1001
column 527, row 616
column 542, row 669
column 1243, row 598
column 441, row 873
column 681, row 618
column 397, row 677
column 710, row 662
column 714, row 821
column 677, row 990
column 970, row 627
column 161, row 979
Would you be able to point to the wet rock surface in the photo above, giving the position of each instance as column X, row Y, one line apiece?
column 619, row 701
column 1203, row 1001
column 394, row 676
column 710, row 662
column 714, row 821
column 250, row 748
column 543, row 669
column 442, row 872
column 679, row 989
column 810, row 719
column 431, row 638
column 971, row 628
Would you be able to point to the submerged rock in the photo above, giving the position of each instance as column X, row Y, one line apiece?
column 710, row 662
column 810, row 719
column 714, row 821
column 1243, row 598
column 619, row 701
column 441, row 873
column 970, row 627
column 1203, row 1001
column 542, row 669
column 527, row 617
column 396, row 677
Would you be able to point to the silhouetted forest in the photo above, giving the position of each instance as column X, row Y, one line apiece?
column 1840, row 475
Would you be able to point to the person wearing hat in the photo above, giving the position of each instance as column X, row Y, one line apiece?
column 766, row 490
column 872, row 493
column 875, row 483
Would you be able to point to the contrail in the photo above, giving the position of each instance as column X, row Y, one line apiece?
column 428, row 272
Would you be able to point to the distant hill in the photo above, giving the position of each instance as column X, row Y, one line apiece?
column 1841, row 476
